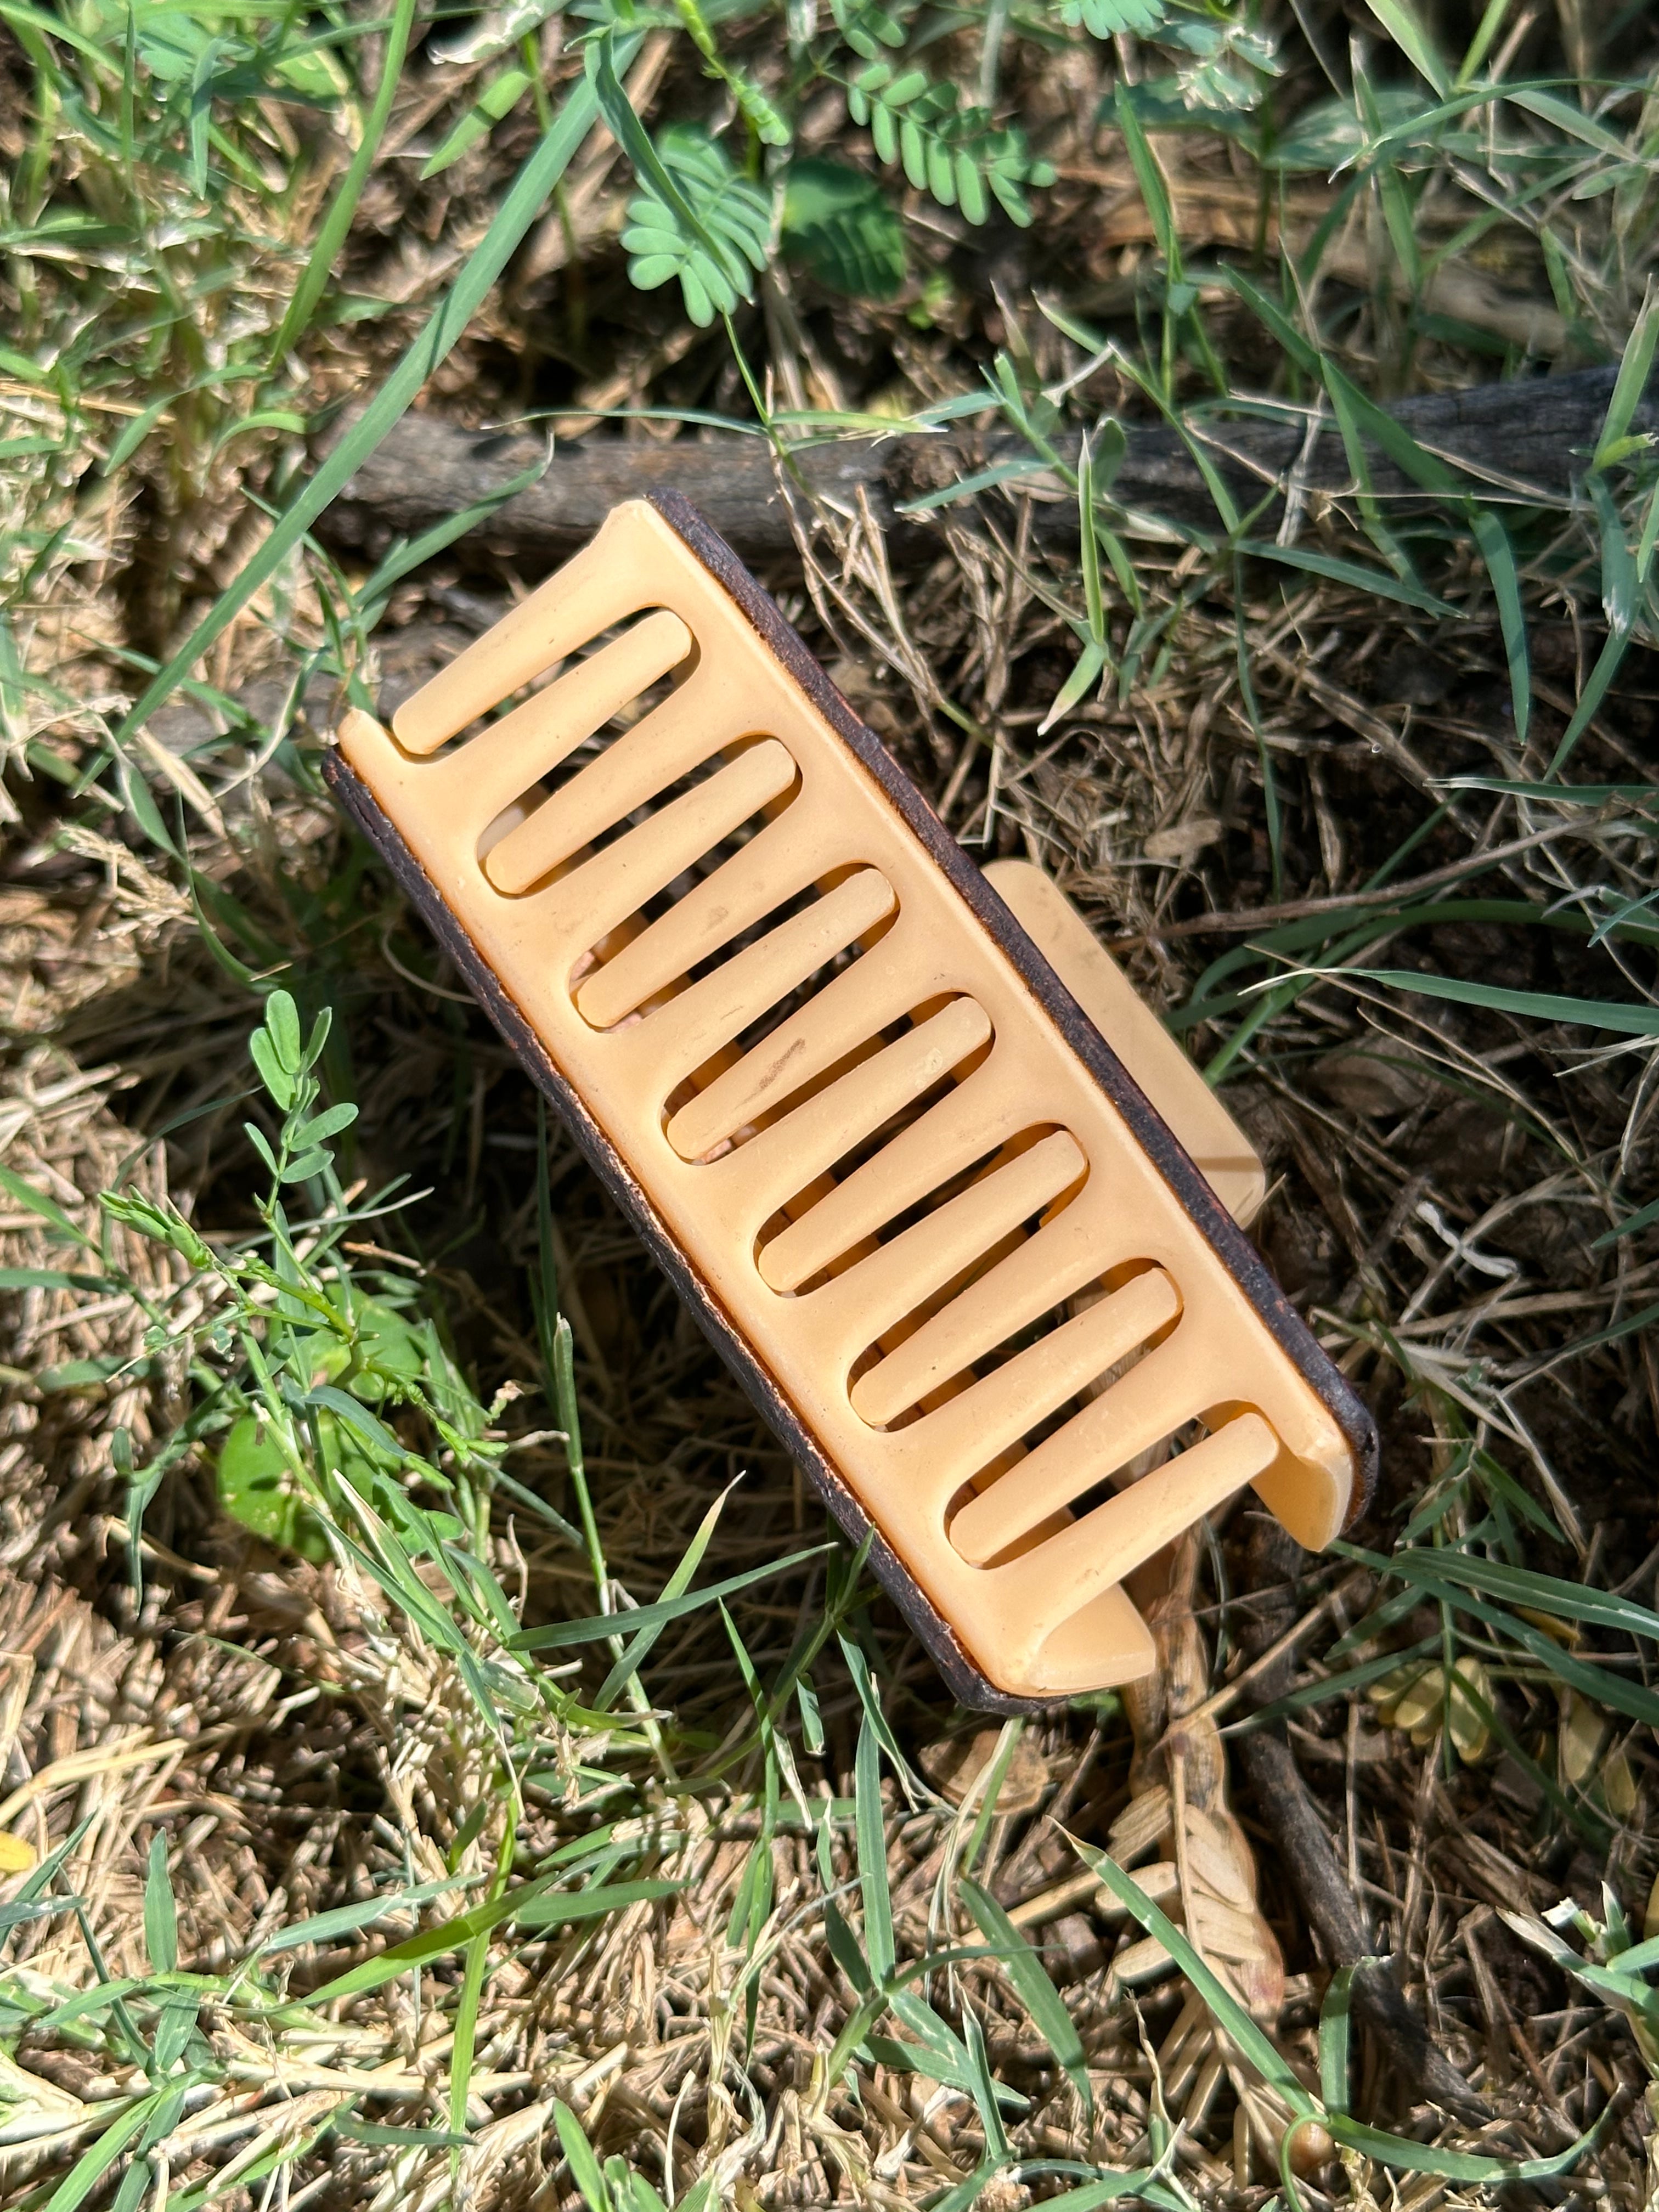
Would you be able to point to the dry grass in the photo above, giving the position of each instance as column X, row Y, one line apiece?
column 303, row 1736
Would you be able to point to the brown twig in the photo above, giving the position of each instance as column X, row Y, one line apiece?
column 1287, row 1810
column 1529, row 435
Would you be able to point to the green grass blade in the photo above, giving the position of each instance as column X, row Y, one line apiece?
column 1564, row 795
column 1378, row 582
column 1644, row 1218
column 1635, row 366
column 1154, row 188
column 864, row 1682
column 677, row 1585
column 1400, row 2151
column 988, row 1790
column 570, row 1420
column 1107, row 2188
column 1594, row 1682
column 1345, row 1684
column 1396, row 2151
column 54, row 1279
column 559, row 1635
column 1595, row 691
column 24, row 18
column 95, row 2161
column 1480, row 45
column 1622, row 580
column 967, row 2193
column 1334, row 2026
column 1253, row 2042
column 373, row 2132
column 1498, row 555
column 472, row 1985
column 984, row 2087
column 966, row 486
column 1413, row 41
column 347, row 1919
column 36, row 1201
column 1272, row 811
column 752, row 1904
column 529, row 1904
column 161, row 1913
column 1089, row 544
column 1514, row 1586
column 844, row 1949
column 1361, row 417
column 578, row 2156
column 417, row 551
column 1572, row 122
column 1036, row 1992
column 871, row 1825
column 1090, row 666
column 1536, row 1006
column 1640, row 1958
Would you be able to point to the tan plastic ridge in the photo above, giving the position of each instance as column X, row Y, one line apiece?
column 1218, row 1147
column 864, row 1132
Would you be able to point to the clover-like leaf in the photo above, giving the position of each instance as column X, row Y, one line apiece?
column 283, row 1025
column 956, row 153
column 257, row 1487
column 1105, row 19
column 837, row 222
column 697, row 218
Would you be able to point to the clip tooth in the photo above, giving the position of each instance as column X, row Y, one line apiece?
column 776, row 864
column 969, row 1431
column 797, row 1152
column 921, row 1260
column 747, row 986
column 645, row 859
column 1055, row 1579
column 578, row 705
column 967, row 1125
column 582, row 599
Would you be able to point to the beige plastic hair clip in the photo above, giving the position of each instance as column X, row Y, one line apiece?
column 982, row 1292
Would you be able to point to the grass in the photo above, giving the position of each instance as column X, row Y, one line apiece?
column 448, row 1761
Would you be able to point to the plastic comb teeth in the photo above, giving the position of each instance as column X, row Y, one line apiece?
column 959, row 1261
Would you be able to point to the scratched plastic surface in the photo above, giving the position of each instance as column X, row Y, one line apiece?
column 929, row 1224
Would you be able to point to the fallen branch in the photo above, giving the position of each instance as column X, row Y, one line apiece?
column 1527, row 439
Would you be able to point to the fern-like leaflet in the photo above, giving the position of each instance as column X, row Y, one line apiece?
column 712, row 228
column 867, row 26
column 768, row 122
column 693, row 217
column 1104, row 19
column 956, row 154
column 768, row 125
column 836, row 220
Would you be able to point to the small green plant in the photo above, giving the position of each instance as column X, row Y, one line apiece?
column 697, row 218
column 710, row 215
column 1327, row 2107
column 952, row 150
column 335, row 1404
column 1614, row 1963
column 838, row 224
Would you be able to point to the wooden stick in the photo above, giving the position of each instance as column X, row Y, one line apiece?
column 1526, row 440
column 1287, row 1811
